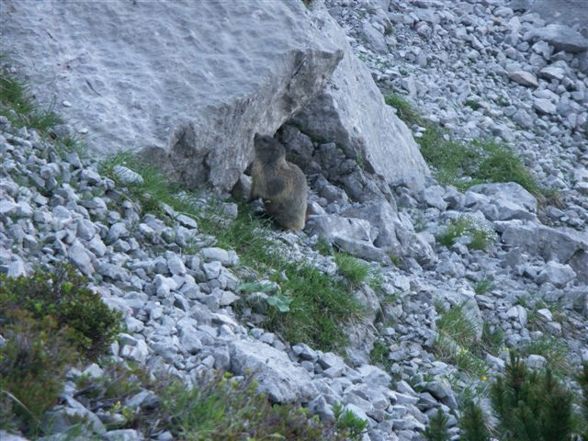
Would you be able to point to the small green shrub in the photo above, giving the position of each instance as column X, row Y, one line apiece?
column 437, row 430
column 354, row 270
column 531, row 406
column 473, row 104
column 347, row 422
column 463, row 225
column 63, row 295
column 49, row 321
column 405, row 110
column 379, row 354
column 32, row 368
column 473, row 424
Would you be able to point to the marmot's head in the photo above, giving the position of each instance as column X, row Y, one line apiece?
column 268, row 149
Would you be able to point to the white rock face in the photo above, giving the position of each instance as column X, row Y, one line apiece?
column 352, row 113
column 199, row 79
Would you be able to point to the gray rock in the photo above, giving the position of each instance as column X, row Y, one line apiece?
column 273, row 370
column 354, row 236
column 507, row 200
column 536, row 361
column 123, row 435
column 524, row 78
column 559, row 244
column 351, row 112
column 127, row 176
column 557, row 274
column 552, row 72
column 544, row 106
column 81, row 258
column 7, row 436
column 561, row 37
column 518, row 313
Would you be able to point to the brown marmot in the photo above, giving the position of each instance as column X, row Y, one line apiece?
column 279, row 183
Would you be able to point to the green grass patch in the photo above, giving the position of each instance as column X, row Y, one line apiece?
column 554, row 350
column 17, row 104
column 406, row 111
column 379, row 354
column 480, row 238
column 472, row 104
column 319, row 307
column 354, row 270
column 457, row 342
column 484, row 285
column 464, row 164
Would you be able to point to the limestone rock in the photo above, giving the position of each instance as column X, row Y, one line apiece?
column 273, row 370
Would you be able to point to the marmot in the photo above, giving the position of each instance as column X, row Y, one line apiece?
column 281, row 184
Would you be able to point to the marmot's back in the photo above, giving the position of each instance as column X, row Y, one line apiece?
column 280, row 183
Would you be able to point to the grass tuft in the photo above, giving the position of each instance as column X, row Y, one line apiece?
column 354, row 270
column 405, row 110
column 462, row 226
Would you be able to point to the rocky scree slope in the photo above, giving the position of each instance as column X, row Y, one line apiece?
column 177, row 290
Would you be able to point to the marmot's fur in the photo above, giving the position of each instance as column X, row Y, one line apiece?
column 279, row 183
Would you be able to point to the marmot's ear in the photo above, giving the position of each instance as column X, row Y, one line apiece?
column 256, row 137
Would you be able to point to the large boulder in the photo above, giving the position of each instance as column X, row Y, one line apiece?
column 194, row 81
column 561, row 245
column 351, row 112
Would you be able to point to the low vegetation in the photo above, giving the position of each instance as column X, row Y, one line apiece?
column 463, row 164
column 222, row 408
column 529, row 405
column 353, row 269
column 18, row 106
column 49, row 321
column 457, row 342
column 480, row 237
column 319, row 307
column 229, row 410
